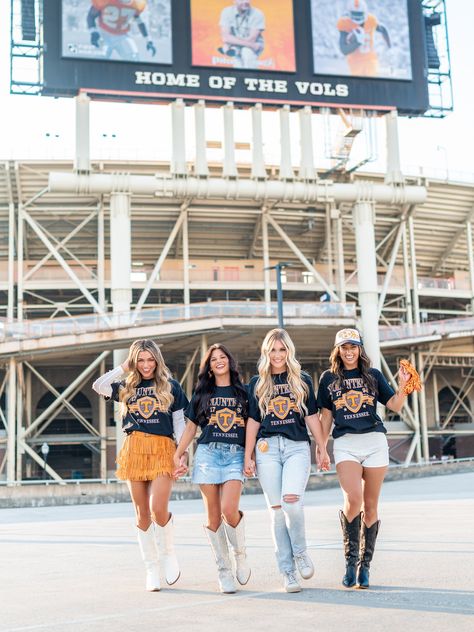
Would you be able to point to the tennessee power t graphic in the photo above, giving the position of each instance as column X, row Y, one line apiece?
column 353, row 403
column 282, row 416
column 224, row 421
column 226, row 417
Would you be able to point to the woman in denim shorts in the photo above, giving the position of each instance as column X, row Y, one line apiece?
column 281, row 403
column 348, row 395
column 219, row 407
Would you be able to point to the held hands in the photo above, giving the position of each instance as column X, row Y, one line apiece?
column 323, row 461
column 181, row 465
column 249, row 467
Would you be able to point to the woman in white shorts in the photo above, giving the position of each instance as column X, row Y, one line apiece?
column 348, row 395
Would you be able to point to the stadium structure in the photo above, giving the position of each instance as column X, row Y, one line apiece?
column 97, row 253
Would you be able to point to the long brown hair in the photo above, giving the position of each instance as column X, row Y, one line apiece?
column 161, row 377
column 207, row 382
column 363, row 364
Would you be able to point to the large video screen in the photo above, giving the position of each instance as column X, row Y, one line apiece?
column 119, row 30
column 247, row 34
column 361, row 38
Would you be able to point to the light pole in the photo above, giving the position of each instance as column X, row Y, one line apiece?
column 281, row 265
column 44, row 452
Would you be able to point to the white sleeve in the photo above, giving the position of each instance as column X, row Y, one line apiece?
column 178, row 424
column 103, row 384
column 258, row 20
column 226, row 18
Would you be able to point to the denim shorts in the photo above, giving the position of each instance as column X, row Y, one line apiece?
column 370, row 449
column 216, row 463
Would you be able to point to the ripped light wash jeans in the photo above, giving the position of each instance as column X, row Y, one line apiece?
column 282, row 470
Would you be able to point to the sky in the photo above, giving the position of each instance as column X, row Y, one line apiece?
column 41, row 127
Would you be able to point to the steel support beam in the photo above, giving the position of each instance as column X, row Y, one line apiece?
column 223, row 188
column 266, row 263
column 161, row 258
column 394, row 173
column 178, row 143
column 229, row 168
column 341, row 289
column 470, row 255
column 65, row 394
column 103, row 429
column 258, row 160
column 201, row 168
column 391, row 265
column 302, row 258
column 186, row 266
column 120, row 252
column 11, row 421
column 286, row 170
column 11, row 262
column 82, row 155
column 35, row 226
column 364, row 218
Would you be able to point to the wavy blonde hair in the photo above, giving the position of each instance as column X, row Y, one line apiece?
column 161, row 377
column 264, row 386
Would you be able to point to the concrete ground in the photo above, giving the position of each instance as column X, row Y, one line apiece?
column 78, row 568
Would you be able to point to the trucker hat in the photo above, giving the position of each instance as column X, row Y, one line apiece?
column 348, row 335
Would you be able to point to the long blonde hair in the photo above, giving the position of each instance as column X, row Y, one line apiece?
column 161, row 377
column 264, row 386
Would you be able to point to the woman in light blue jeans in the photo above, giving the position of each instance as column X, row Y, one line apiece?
column 281, row 404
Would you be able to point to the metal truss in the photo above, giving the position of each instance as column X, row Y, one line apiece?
column 77, row 234
column 26, row 49
column 440, row 87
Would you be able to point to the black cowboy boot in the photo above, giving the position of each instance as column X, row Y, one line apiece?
column 368, row 536
column 351, row 534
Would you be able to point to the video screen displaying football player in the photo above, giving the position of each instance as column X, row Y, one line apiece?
column 361, row 38
column 119, row 30
column 250, row 34
column 242, row 28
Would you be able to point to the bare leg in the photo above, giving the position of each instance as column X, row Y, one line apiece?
column 139, row 492
column 160, row 492
column 211, row 496
column 372, row 485
column 350, row 479
column 230, row 498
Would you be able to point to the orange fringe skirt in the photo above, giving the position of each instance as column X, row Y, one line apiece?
column 145, row 456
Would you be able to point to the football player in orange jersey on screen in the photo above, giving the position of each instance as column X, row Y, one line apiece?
column 357, row 33
column 110, row 23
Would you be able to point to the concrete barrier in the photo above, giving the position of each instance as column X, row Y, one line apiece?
column 83, row 493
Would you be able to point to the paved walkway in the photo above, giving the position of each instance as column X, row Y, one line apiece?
column 78, row 568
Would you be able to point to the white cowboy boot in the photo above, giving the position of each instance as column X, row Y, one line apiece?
column 236, row 536
column 219, row 546
column 147, row 544
column 172, row 572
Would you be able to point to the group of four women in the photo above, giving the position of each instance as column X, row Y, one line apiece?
column 259, row 429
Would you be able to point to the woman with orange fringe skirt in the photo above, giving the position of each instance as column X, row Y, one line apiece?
column 151, row 406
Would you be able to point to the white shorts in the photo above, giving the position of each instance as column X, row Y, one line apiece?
column 369, row 449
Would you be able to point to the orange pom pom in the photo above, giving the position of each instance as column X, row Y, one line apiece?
column 414, row 383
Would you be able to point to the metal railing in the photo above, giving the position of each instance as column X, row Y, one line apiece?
column 33, row 329
column 430, row 328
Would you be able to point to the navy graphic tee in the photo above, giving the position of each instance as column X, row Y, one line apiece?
column 354, row 405
column 224, row 417
column 283, row 416
column 145, row 412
